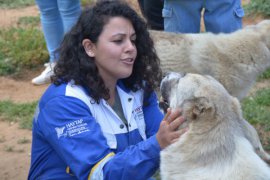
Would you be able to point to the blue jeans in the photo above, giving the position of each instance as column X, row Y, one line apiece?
column 57, row 17
column 220, row 15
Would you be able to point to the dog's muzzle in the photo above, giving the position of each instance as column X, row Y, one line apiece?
column 168, row 82
column 163, row 105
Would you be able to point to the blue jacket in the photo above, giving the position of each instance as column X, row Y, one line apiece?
column 75, row 138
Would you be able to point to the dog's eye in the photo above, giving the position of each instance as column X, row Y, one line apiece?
column 165, row 74
column 164, row 106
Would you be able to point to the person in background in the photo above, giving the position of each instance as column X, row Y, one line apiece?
column 152, row 11
column 57, row 17
column 100, row 119
column 184, row 16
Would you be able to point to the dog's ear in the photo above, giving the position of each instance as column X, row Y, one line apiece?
column 236, row 107
column 195, row 108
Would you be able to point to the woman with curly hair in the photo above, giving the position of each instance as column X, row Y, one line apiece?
column 100, row 117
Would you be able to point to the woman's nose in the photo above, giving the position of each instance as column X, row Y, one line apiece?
column 130, row 46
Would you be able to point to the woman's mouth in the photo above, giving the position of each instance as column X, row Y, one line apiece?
column 128, row 60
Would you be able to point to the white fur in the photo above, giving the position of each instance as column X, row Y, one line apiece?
column 246, row 165
column 220, row 144
column 234, row 59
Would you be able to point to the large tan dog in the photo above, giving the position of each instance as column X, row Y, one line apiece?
column 220, row 144
column 234, row 59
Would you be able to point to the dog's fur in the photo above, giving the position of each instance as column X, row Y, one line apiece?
column 220, row 144
column 234, row 59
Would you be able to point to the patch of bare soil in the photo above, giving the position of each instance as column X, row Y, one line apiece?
column 9, row 17
column 15, row 143
column 15, row 149
column 20, row 91
column 263, row 84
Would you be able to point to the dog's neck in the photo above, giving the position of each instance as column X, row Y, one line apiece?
column 211, row 141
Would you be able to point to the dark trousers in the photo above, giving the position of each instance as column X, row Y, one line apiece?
column 152, row 11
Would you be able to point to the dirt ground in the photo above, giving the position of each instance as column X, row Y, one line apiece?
column 15, row 143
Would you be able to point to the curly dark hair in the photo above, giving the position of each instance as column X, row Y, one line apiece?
column 74, row 64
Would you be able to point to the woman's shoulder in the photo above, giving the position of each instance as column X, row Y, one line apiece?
column 64, row 91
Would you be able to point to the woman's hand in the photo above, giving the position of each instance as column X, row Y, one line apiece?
column 168, row 129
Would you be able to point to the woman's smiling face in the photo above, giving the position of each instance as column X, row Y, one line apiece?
column 115, row 51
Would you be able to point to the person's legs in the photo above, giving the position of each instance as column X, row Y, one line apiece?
column 53, row 31
column 223, row 15
column 182, row 15
column 57, row 17
column 141, row 4
column 153, row 13
column 70, row 11
column 52, row 26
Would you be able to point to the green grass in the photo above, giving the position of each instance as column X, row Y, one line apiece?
column 23, row 140
column 85, row 3
column 261, row 7
column 15, row 3
column 29, row 21
column 21, row 113
column 21, row 48
column 257, row 109
column 9, row 148
column 265, row 75
column 8, row 4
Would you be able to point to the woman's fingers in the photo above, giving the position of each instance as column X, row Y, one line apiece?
column 176, row 123
column 169, row 111
column 168, row 131
column 171, row 115
column 176, row 135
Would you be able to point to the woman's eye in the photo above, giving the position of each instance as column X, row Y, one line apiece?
column 118, row 41
column 133, row 41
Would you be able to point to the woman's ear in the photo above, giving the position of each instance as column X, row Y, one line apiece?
column 89, row 47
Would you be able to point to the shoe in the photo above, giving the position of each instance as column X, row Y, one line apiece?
column 45, row 76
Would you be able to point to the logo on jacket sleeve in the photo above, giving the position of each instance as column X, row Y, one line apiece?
column 60, row 131
column 71, row 129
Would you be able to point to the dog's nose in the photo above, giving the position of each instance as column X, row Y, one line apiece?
column 182, row 74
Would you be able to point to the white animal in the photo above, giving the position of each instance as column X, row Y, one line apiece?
column 234, row 59
column 220, row 144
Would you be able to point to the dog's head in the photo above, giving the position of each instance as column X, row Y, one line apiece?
column 263, row 28
column 199, row 96
column 168, row 83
